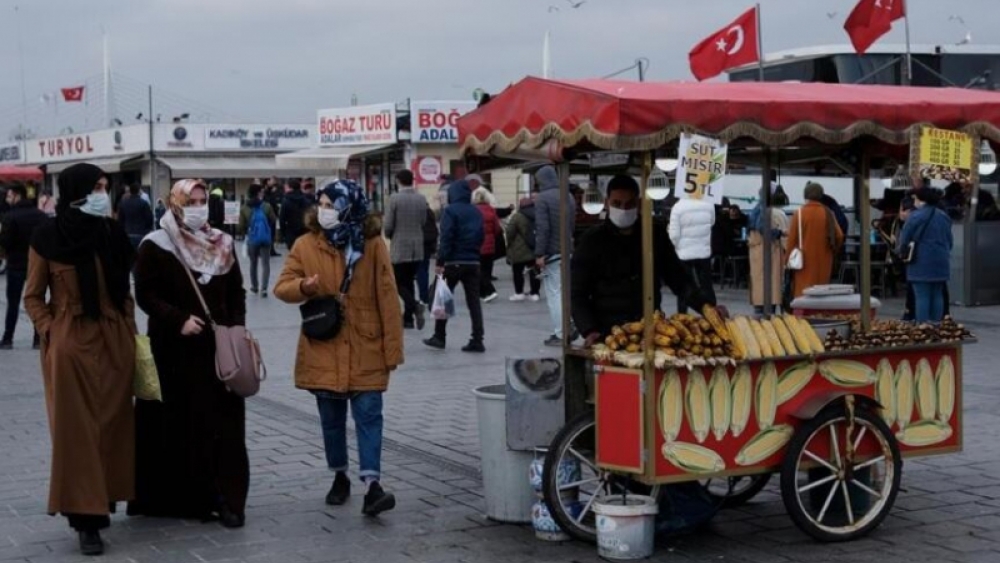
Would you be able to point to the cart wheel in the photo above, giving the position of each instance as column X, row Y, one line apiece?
column 736, row 491
column 833, row 498
column 572, row 504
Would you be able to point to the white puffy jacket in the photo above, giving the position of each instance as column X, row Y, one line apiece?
column 690, row 228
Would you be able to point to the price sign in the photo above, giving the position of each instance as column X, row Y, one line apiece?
column 702, row 168
column 944, row 155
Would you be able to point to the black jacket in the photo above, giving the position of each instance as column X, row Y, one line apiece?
column 135, row 216
column 216, row 211
column 430, row 235
column 15, row 235
column 292, row 217
column 607, row 277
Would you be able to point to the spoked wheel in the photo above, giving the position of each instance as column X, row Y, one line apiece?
column 571, row 501
column 736, row 491
column 841, row 475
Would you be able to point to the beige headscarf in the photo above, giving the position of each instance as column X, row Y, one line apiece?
column 207, row 251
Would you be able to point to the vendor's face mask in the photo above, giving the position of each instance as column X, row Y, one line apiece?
column 623, row 218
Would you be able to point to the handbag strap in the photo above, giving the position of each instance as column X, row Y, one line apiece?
column 201, row 298
column 799, row 242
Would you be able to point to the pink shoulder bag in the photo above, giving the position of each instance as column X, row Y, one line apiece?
column 238, row 363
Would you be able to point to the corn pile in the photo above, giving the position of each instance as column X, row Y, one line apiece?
column 777, row 337
column 895, row 334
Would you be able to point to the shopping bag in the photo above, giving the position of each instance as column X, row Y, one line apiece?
column 444, row 302
column 146, row 382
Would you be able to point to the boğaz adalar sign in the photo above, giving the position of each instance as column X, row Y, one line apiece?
column 701, row 169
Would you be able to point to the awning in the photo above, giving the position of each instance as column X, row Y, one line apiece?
column 110, row 165
column 625, row 116
column 328, row 159
column 234, row 166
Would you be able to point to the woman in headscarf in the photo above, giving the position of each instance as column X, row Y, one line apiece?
column 82, row 259
column 815, row 231
column 755, row 243
column 191, row 452
column 344, row 255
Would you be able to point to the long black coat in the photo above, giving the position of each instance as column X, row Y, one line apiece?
column 190, row 449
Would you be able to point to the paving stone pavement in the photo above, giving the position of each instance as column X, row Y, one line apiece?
column 949, row 509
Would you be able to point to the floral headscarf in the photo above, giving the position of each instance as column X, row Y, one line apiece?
column 207, row 251
column 351, row 203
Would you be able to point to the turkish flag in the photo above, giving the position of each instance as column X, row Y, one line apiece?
column 732, row 46
column 872, row 19
column 74, row 94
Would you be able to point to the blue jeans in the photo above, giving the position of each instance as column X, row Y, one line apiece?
column 552, row 282
column 928, row 301
column 366, row 409
column 423, row 281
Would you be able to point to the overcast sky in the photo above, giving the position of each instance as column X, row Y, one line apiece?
column 274, row 60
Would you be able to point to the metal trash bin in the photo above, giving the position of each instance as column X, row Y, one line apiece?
column 509, row 496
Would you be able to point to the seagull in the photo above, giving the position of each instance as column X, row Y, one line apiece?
column 553, row 9
column 575, row 5
column 958, row 19
column 966, row 40
column 831, row 15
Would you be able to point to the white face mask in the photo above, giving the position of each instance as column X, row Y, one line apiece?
column 195, row 217
column 97, row 204
column 623, row 218
column 328, row 218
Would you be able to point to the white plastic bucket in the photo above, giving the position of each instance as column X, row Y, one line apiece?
column 509, row 496
column 626, row 526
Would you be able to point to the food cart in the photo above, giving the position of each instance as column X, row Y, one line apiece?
column 834, row 420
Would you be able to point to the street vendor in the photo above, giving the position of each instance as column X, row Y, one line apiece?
column 606, row 270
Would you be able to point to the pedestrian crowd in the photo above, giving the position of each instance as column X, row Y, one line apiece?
column 82, row 264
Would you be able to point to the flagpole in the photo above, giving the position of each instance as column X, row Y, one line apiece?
column 546, row 58
column 908, row 75
column 760, row 45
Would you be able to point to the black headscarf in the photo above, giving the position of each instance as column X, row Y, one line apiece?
column 76, row 238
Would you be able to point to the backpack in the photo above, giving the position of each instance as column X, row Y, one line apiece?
column 259, row 233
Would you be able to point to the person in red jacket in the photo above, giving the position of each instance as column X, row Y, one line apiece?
column 491, row 230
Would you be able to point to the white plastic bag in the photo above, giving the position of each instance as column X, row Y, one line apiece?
column 444, row 302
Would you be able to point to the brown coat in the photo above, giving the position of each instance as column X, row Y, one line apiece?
column 755, row 243
column 370, row 343
column 817, row 253
column 87, row 366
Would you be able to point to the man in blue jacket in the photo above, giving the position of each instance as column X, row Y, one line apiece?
column 458, row 261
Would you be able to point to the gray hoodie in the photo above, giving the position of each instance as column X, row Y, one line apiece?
column 547, row 213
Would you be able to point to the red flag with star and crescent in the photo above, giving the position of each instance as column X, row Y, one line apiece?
column 870, row 20
column 732, row 46
column 74, row 94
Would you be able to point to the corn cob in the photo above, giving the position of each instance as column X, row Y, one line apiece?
column 924, row 433
column 847, row 373
column 904, row 394
column 765, row 444
column 772, row 339
column 767, row 395
column 926, row 391
column 885, row 391
column 720, row 394
column 749, row 338
column 785, row 336
column 801, row 339
column 794, row 379
column 699, row 407
column 946, row 388
column 742, row 399
column 692, row 458
column 712, row 316
column 671, row 405
column 739, row 346
column 758, row 332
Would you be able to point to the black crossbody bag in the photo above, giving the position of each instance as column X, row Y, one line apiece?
column 323, row 317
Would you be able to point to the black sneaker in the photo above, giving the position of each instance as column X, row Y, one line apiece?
column 91, row 543
column 6, row 345
column 377, row 501
column 435, row 342
column 263, row 294
column 420, row 316
column 474, row 346
column 340, row 491
column 253, row 291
